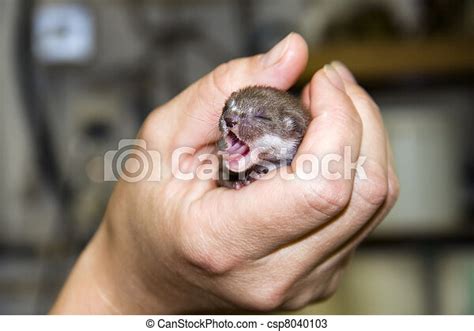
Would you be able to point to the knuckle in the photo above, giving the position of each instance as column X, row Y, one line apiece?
column 375, row 189
column 207, row 259
column 220, row 77
column 328, row 292
column 330, row 288
column 267, row 298
column 362, row 98
column 333, row 285
column 152, row 124
column 199, row 249
column 299, row 302
column 328, row 196
column 393, row 188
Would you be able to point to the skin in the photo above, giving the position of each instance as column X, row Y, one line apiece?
column 179, row 246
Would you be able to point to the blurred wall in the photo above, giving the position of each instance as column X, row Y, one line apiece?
column 64, row 106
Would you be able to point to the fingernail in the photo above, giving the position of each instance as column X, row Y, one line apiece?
column 334, row 77
column 343, row 71
column 277, row 52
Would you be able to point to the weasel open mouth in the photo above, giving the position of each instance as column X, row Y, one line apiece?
column 237, row 153
column 236, row 147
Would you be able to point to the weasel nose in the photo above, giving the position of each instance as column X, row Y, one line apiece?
column 230, row 122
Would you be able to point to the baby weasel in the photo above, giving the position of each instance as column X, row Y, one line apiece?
column 261, row 129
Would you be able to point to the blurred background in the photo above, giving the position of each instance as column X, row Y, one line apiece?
column 78, row 76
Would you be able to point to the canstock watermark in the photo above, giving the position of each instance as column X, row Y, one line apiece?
column 133, row 162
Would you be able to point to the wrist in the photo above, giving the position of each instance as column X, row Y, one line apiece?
column 103, row 282
column 83, row 292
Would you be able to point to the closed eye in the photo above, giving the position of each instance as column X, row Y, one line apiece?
column 263, row 118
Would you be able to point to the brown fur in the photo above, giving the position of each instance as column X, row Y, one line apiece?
column 258, row 111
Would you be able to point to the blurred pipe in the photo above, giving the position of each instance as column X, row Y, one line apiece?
column 30, row 97
column 34, row 106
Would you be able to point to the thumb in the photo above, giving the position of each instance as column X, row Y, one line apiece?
column 191, row 118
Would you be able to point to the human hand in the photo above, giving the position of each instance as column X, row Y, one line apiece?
column 177, row 246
